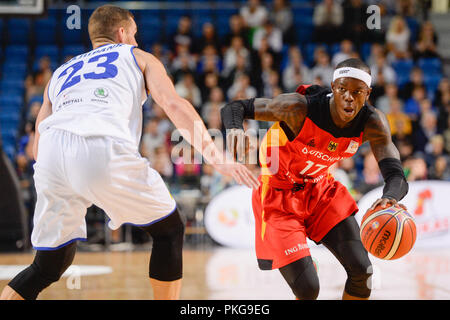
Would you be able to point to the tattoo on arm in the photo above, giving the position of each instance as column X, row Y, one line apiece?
column 290, row 108
column 378, row 133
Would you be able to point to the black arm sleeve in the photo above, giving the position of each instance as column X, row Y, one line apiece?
column 234, row 113
column 396, row 187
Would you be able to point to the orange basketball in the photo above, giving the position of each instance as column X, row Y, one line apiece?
column 388, row 233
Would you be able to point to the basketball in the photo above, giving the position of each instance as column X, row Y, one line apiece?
column 388, row 233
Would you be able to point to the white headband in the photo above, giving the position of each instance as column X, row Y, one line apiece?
column 350, row 72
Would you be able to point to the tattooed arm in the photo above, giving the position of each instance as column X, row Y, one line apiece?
column 289, row 109
column 378, row 133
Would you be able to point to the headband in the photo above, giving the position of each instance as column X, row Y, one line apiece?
column 349, row 72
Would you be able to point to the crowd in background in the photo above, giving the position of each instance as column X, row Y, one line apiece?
column 260, row 57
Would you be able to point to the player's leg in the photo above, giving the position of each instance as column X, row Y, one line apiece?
column 301, row 276
column 47, row 268
column 345, row 243
column 166, row 261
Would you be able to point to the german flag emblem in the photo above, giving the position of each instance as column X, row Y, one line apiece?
column 332, row 146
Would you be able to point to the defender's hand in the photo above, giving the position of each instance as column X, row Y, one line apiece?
column 239, row 173
column 387, row 202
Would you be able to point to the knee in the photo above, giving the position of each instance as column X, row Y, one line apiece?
column 47, row 268
column 302, row 278
column 306, row 288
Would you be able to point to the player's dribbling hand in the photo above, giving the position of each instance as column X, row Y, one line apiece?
column 387, row 202
column 240, row 173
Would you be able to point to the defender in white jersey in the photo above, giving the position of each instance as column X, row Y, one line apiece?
column 86, row 151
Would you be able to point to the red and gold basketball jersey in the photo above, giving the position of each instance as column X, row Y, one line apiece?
column 320, row 143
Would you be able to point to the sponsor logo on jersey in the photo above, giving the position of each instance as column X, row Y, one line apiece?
column 352, row 147
column 332, row 146
column 311, row 143
column 101, row 93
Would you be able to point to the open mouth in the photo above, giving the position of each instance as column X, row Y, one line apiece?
column 349, row 110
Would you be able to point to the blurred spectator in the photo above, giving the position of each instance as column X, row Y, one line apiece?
column 440, row 169
column 184, row 62
column 216, row 100
column 209, row 61
column 163, row 55
column 327, row 19
column 254, row 14
column 390, row 93
column 237, row 48
column 271, row 33
column 371, row 175
column 446, row 135
column 406, row 7
column 242, row 88
column 187, row 89
column 382, row 70
column 187, row 167
column 412, row 105
column 345, row 52
column 208, row 37
column 415, row 169
column 162, row 162
column 442, row 102
column 183, row 35
column 240, row 68
column 434, row 149
column 425, row 131
column 212, row 182
column 270, row 78
column 355, row 18
column 213, row 119
column 151, row 139
column 296, row 72
column 281, row 14
column 397, row 39
column 237, row 29
column 35, row 82
column 415, row 80
column 33, row 112
column 405, row 148
column 322, row 72
column 206, row 82
column 399, row 121
column 426, row 45
column 376, row 50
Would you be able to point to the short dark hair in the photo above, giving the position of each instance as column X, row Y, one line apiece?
column 105, row 20
column 354, row 63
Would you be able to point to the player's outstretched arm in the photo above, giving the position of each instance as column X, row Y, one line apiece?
column 44, row 112
column 378, row 133
column 186, row 119
column 290, row 108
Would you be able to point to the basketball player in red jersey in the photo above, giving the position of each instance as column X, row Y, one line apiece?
column 297, row 198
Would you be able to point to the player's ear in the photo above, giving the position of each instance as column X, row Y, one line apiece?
column 368, row 94
column 120, row 35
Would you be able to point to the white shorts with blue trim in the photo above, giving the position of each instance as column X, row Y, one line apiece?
column 73, row 172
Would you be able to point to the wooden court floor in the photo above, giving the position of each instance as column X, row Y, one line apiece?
column 223, row 273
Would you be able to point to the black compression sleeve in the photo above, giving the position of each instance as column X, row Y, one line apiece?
column 234, row 113
column 396, row 186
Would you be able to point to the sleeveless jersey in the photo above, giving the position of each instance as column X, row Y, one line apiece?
column 98, row 93
column 320, row 144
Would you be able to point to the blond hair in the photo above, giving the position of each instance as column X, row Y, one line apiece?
column 105, row 20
